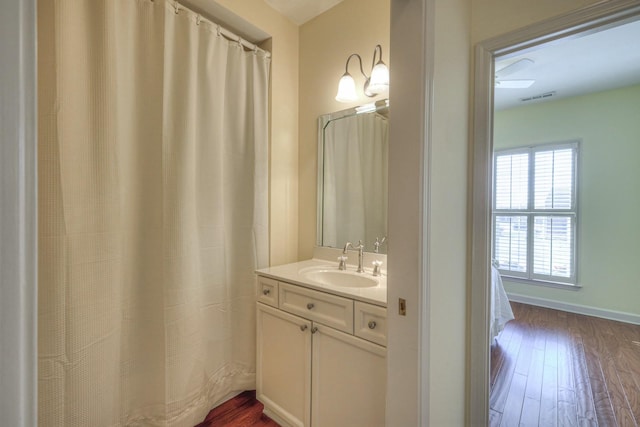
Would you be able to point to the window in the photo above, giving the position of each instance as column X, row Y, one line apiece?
column 535, row 212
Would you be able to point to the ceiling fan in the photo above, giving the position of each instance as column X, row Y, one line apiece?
column 521, row 64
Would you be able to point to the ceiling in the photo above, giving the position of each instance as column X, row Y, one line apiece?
column 603, row 60
column 301, row 11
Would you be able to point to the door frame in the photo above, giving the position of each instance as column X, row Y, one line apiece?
column 18, row 213
column 590, row 18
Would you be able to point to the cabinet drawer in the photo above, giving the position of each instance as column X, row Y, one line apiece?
column 327, row 309
column 371, row 323
column 268, row 291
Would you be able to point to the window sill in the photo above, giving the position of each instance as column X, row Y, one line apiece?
column 557, row 285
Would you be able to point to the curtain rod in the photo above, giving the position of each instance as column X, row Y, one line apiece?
column 229, row 35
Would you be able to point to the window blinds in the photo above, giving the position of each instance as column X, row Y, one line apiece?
column 534, row 212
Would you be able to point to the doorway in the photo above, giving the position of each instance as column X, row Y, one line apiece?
column 550, row 32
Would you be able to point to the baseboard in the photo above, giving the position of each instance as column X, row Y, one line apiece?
column 275, row 417
column 620, row 316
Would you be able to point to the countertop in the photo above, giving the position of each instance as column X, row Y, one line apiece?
column 291, row 273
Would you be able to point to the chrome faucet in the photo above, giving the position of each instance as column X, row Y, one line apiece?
column 360, row 249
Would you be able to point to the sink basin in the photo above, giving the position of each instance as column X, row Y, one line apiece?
column 339, row 278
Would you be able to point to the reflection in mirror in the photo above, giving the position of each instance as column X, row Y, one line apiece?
column 352, row 176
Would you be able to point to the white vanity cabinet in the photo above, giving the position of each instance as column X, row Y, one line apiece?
column 311, row 368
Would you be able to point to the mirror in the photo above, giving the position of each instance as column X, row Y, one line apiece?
column 352, row 176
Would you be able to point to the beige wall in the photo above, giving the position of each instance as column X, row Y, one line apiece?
column 284, row 124
column 353, row 26
column 491, row 18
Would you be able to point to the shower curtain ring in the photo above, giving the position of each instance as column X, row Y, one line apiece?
column 177, row 7
column 198, row 17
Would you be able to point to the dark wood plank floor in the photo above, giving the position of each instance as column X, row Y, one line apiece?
column 241, row 411
column 553, row 368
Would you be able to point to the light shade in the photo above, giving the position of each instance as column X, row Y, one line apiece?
column 379, row 81
column 346, row 89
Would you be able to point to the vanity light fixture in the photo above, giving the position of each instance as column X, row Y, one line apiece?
column 374, row 85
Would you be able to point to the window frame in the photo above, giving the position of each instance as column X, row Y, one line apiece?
column 531, row 213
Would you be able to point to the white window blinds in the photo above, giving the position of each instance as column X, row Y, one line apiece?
column 535, row 213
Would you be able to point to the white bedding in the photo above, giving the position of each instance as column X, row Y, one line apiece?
column 501, row 311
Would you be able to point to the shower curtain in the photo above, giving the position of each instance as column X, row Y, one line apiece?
column 152, row 212
column 354, row 205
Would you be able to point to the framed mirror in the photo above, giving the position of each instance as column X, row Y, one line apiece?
column 352, row 176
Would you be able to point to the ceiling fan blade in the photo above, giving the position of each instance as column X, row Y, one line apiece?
column 519, row 65
column 514, row 84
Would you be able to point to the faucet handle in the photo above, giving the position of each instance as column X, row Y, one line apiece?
column 378, row 243
column 376, row 268
column 342, row 262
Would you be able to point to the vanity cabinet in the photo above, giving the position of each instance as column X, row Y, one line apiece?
column 283, row 365
column 312, row 370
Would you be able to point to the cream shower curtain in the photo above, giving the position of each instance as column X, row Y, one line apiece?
column 153, row 212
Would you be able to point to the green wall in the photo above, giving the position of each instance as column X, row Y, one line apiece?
column 608, row 252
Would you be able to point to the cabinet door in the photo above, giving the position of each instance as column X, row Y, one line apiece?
column 348, row 380
column 283, row 365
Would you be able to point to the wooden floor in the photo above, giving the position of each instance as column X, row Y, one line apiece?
column 241, row 411
column 553, row 368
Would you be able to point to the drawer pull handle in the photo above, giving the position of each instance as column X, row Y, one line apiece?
column 310, row 306
column 266, row 291
column 372, row 324
column 314, row 330
column 303, row 328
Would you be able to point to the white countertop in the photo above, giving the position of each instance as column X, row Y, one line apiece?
column 291, row 273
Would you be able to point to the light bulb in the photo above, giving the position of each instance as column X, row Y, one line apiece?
column 346, row 89
column 379, row 81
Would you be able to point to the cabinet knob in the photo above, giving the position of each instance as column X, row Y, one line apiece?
column 303, row 328
column 372, row 324
column 266, row 291
column 310, row 306
column 314, row 330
